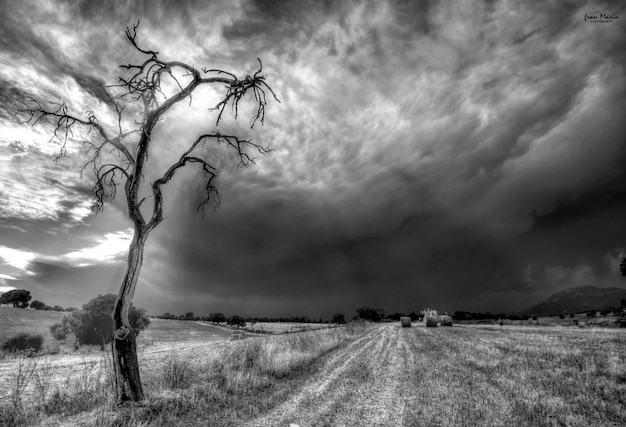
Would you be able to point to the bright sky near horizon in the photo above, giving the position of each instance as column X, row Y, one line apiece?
column 457, row 155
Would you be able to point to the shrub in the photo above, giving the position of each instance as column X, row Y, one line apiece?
column 38, row 305
column 23, row 342
column 338, row 318
column 237, row 321
column 371, row 314
column 58, row 331
column 94, row 325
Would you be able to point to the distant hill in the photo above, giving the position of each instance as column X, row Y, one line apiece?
column 575, row 300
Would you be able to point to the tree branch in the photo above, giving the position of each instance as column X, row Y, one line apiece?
column 105, row 179
column 231, row 141
column 236, row 89
column 65, row 123
column 211, row 190
column 144, row 84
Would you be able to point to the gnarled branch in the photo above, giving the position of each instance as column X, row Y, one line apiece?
column 65, row 123
column 238, row 88
column 211, row 189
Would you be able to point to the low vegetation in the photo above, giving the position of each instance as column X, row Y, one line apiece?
column 212, row 383
column 23, row 342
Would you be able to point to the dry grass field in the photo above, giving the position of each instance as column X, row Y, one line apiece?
column 285, row 327
column 16, row 320
column 379, row 375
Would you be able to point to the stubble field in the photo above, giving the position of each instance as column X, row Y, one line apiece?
column 360, row 375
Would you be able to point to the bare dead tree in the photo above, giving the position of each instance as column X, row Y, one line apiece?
column 118, row 157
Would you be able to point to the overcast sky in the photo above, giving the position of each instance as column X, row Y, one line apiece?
column 461, row 156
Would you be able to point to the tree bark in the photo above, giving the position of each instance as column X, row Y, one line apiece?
column 124, row 344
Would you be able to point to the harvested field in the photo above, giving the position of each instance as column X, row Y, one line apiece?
column 473, row 376
column 285, row 327
column 376, row 375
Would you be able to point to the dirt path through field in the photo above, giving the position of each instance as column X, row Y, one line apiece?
column 366, row 380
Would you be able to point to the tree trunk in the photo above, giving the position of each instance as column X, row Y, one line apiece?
column 124, row 344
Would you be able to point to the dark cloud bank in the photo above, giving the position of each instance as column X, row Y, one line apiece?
column 425, row 156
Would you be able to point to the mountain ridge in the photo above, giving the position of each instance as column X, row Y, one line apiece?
column 578, row 299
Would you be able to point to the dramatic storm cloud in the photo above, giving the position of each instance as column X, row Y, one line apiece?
column 462, row 156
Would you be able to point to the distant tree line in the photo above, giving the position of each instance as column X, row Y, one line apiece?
column 470, row 315
column 217, row 318
column 19, row 298
column 486, row 315
column 467, row 315
column 378, row 315
column 363, row 313
column 367, row 313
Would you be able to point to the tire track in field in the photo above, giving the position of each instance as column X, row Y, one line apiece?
column 324, row 387
column 365, row 383
column 381, row 401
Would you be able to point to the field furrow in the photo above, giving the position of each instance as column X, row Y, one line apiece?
column 325, row 387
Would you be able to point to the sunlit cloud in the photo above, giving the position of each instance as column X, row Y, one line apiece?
column 108, row 248
column 4, row 288
column 16, row 258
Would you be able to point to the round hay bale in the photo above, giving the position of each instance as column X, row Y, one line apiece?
column 430, row 321
column 405, row 322
column 446, row 320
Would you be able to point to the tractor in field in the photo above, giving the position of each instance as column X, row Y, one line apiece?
column 433, row 319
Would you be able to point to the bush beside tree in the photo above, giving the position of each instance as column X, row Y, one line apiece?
column 94, row 325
